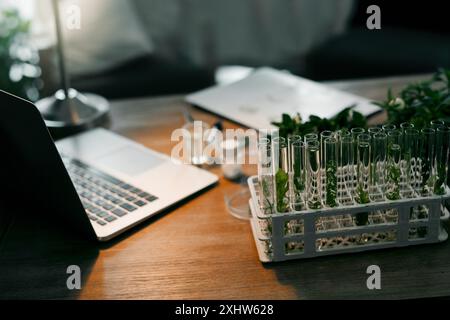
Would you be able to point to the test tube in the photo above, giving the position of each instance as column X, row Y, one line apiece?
column 393, row 183
column 355, row 132
column 410, row 156
column 294, row 138
column 374, row 130
column 362, row 195
column 346, row 166
column 427, row 141
column 389, row 127
column 297, row 175
column 331, row 178
column 265, row 177
column 393, row 172
column 379, row 158
column 441, row 159
column 406, row 125
column 281, row 168
column 313, row 180
column 311, row 137
column 435, row 124
column 324, row 135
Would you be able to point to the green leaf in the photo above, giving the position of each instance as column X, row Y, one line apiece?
column 346, row 118
column 281, row 182
column 423, row 101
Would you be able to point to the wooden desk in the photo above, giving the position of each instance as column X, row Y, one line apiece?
column 199, row 251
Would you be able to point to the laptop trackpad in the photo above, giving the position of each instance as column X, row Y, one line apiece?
column 129, row 160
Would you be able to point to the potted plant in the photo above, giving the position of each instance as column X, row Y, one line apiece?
column 19, row 70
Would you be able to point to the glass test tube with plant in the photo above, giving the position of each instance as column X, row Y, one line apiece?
column 411, row 149
column 331, row 178
column 313, row 179
column 363, row 176
column 323, row 136
column 379, row 157
column 355, row 132
column 297, row 174
column 265, row 177
column 441, row 159
column 281, row 167
column 373, row 131
column 346, row 164
column 427, row 141
column 393, row 172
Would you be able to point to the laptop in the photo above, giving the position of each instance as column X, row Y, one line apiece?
column 262, row 97
column 96, row 183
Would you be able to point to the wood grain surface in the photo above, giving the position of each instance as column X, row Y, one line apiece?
column 197, row 250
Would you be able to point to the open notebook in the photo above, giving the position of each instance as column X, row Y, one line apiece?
column 265, row 94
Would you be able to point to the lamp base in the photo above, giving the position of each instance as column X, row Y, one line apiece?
column 72, row 114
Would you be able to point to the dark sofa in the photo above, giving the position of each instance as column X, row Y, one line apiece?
column 414, row 38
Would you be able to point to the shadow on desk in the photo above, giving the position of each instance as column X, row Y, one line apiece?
column 412, row 272
column 160, row 215
column 34, row 258
column 35, row 254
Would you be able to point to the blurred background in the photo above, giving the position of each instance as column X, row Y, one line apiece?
column 154, row 47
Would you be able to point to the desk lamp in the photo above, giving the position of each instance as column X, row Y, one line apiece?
column 69, row 111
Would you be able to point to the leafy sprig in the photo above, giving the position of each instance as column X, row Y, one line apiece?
column 439, row 185
column 362, row 197
column 331, row 185
column 268, row 205
column 394, row 174
column 420, row 103
column 18, row 72
column 347, row 118
column 281, row 181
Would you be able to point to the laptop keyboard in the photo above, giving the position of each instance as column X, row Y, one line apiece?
column 104, row 197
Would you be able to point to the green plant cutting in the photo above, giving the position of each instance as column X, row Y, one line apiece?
column 393, row 177
column 268, row 205
column 282, row 187
column 331, row 185
column 420, row 103
column 439, row 185
column 362, row 218
column 299, row 182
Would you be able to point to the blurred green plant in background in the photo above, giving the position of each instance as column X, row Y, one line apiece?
column 420, row 103
column 347, row 118
column 19, row 70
